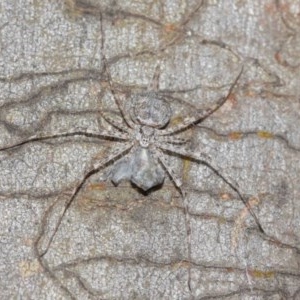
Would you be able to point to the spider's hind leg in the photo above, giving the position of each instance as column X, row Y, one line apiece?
column 175, row 150
column 160, row 156
column 94, row 168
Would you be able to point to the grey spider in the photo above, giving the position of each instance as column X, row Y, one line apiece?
column 145, row 117
column 148, row 113
column 147, row 140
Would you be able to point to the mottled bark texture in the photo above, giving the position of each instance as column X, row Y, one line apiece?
column 116, row 242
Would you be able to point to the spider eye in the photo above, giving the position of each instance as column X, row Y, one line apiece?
column 150, row 109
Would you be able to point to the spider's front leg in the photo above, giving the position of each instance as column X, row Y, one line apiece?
column 122, row 110
column 103, row 135
column 116, row 124
column 202, row 114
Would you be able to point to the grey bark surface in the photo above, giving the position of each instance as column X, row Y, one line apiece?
column 116, row 242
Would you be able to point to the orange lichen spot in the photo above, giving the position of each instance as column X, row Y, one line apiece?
column 265, row 134
column 253, row 201
column 176, row 121
column 239, row 223
column 284, row 7
column 270, row 8
column 232, row 99
column 181, row 264
column 170, row 27
column 261, row 274
column 250, row 93
column 97, row 186
column 186, row 168
column 225, row 196
column 170, row 32
column 235, row 135
column 222, row 220
column 28, row 242
column 230, row 270
column 280, row 59
column 29, row 268
column 86, row 204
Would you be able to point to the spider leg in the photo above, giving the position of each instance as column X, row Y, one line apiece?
column 202, row 115
column 160, row 156
column 112, row 121
column 184, row 153
column 115, row 123
column 125, row 117
column 154, row 84
column 104, row 134
column 116, row 154
column 171, row 139
column 127, row 120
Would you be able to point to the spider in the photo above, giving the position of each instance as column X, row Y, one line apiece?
column 147, row 140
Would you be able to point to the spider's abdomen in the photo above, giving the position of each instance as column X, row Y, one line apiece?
column 146, row 171
column 141, row 169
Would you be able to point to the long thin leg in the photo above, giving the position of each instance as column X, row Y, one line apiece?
column 184, row 153
column 171, row 140
column 202, row 115
column 126, row 118
column 102, row 135
column 160, row 156
column 154, row 84
column 115, row 123
column 116, row 154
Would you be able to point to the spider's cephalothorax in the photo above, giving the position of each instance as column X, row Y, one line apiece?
column 145, row 135
column 150, row 109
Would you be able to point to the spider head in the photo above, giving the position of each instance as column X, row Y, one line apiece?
column 144, row 135
column 151, row 110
